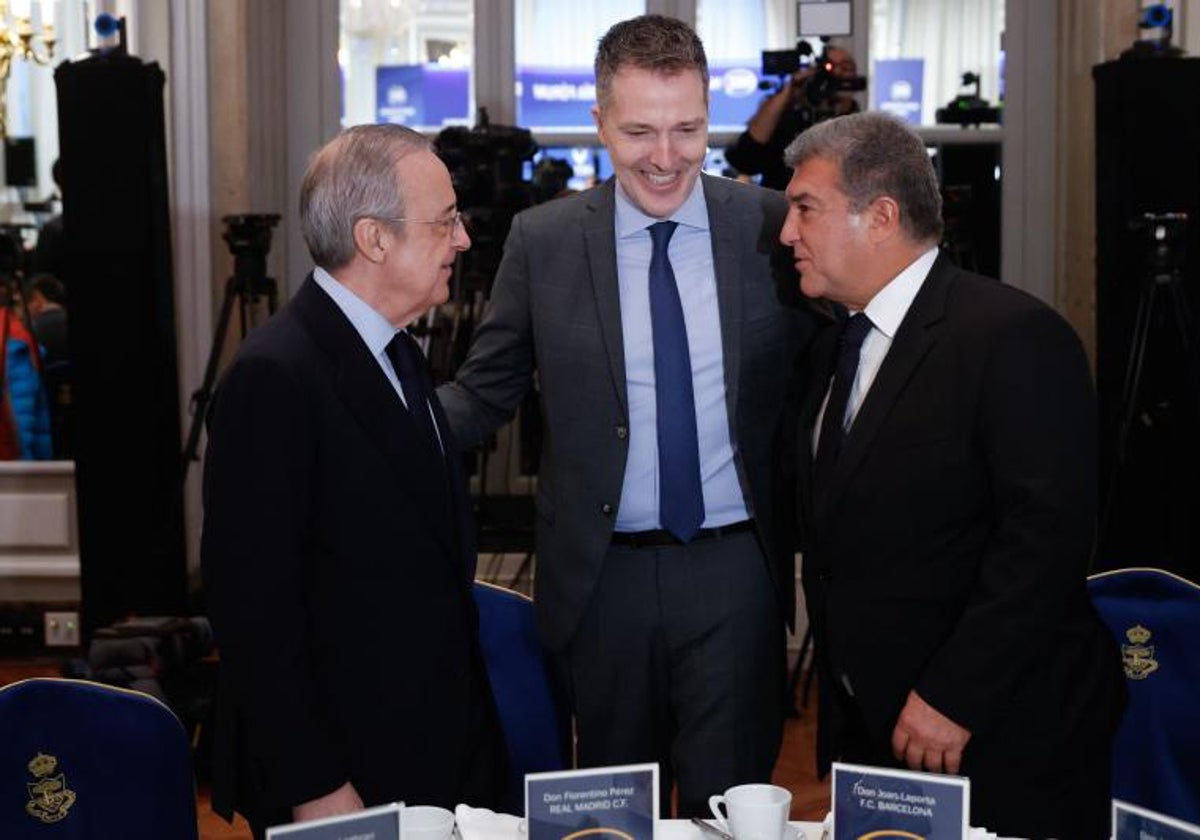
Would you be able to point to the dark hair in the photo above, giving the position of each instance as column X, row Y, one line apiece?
column 650, row 42
column 49, row 286
column 877, row 155
column 353, row 177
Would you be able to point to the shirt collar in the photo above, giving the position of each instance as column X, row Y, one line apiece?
column 630, row 220
column 375, row 330
column 891, row 303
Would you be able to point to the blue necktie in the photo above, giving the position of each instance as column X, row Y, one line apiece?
column 833, row 424
column 680, row 498
column 409, row 363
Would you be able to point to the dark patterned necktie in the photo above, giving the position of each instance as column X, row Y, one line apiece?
column 833, row 424
column 409, row 364
column 680, row 497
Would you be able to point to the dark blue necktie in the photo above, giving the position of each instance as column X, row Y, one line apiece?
column 833, row 424
column 409, row 363
column 680, row 498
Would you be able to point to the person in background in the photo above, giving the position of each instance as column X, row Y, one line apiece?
column 25, row 425
column 660, row 331
column 948, row 501
column 338, row 544
column 46, row 300
column 786, row 113
column 48, row 253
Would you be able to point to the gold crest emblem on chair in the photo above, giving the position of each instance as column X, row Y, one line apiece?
column 49, row 797
column 1139, row 656
column 95, row 761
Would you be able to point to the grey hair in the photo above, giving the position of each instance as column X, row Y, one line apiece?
column 649, row 42
column 877, row 155
column 353, row 177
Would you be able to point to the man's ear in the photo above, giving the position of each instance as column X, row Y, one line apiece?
column 369, row 236
column 596, row 118
column 883, row 217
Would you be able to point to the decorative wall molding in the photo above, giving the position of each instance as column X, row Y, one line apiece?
column 39, row 541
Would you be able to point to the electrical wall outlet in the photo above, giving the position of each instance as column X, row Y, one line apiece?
column 62, row 629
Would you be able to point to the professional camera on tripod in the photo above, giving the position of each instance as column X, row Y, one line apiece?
column 249, row 239
column 1158, row 407
column 486, row 166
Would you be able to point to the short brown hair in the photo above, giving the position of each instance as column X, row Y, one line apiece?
column 650, row 42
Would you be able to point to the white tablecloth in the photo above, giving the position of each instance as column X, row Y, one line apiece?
column 482, row 824
column 685, row 830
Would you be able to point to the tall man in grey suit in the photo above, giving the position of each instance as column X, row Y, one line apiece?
column 661, row 336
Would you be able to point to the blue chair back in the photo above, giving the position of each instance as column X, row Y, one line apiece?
column 529, row 697
column 80, row 760
column 1155, row 617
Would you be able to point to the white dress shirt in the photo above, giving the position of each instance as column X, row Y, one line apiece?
column 886, row 311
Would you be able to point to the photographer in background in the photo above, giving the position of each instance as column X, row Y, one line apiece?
column 796, row 106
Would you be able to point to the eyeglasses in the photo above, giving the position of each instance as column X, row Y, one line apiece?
column 447, row 225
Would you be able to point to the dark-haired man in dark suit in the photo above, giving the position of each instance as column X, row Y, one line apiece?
column 948, row 511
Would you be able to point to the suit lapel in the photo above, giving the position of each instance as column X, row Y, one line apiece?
column 599, row 234
column 819, row 368
column 917, row 333
column 370, row 398
column 721, row 223
column 463, row 521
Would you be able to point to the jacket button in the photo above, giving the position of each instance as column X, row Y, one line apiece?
column 606, row 509
column 622, row 432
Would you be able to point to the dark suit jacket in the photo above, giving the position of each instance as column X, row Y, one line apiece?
column 338, row 556
column 949, row 550
column 555, row 306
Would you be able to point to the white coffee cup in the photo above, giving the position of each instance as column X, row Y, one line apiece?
column 427, row 822
column 753, row 812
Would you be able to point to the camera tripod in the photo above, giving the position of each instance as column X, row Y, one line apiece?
column 249, row 239
column 1161, row 286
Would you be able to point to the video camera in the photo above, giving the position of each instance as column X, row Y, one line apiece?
column 1165, row 240
column 486, row 164
column 484, row 160
column 822, row 86
column 968, row 108
column 248, row 236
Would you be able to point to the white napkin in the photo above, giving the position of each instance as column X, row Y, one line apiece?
column 485, row 824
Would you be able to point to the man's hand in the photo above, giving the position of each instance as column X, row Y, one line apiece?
column 344, row 800
column 925, row 739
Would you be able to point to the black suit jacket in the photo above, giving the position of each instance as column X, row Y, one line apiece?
column 338, row 556
column 948, row 551
column 555, row 307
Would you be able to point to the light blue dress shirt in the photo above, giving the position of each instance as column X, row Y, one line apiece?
column 692, row 261
column 374, row 329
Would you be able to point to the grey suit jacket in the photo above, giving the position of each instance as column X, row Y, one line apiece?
column 555, row 307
